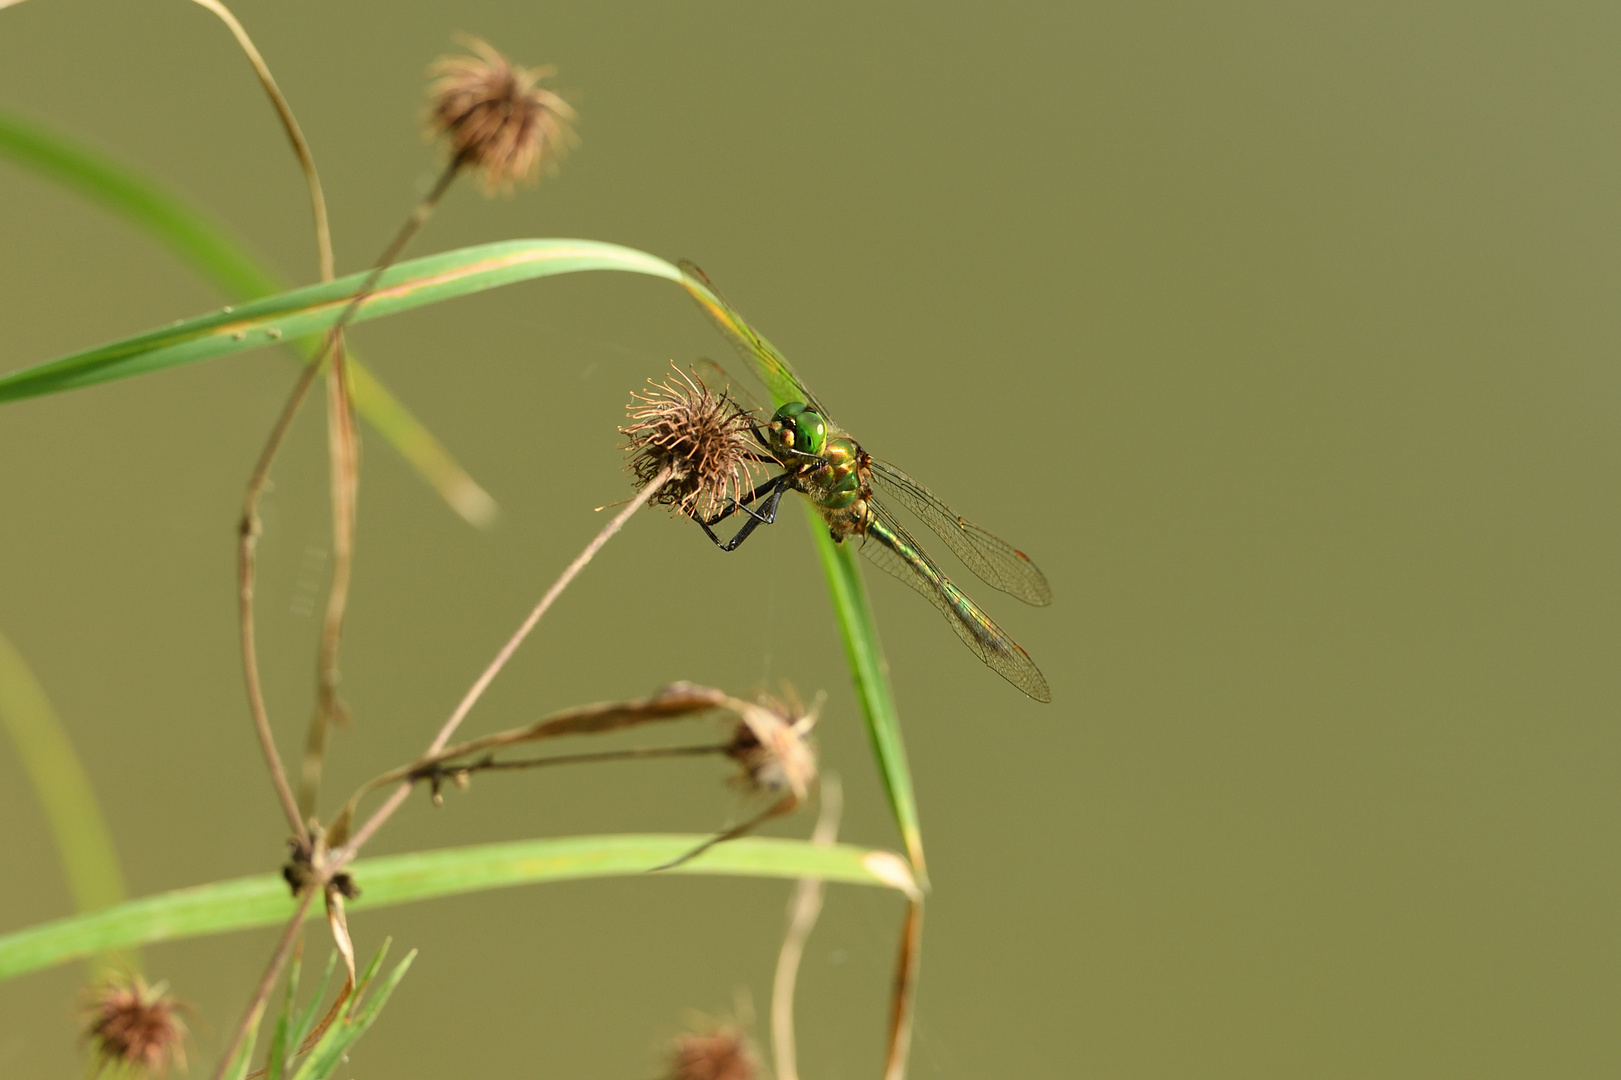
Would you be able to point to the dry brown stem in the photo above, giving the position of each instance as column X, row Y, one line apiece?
column 323, row 233
column 903, row 999
column 482, row 683
column 261, row 993
column 803, row 908
column 671, row 703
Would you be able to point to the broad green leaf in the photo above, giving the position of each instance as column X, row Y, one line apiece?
column 83, row 843
column 223, row 260
column 871, row 674
column 263, row 900
column 314, row 308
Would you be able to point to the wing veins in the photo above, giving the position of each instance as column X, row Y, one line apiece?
column 996, row 562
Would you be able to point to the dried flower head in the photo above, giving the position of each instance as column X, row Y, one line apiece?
column 722, row 1052
column 496, row 117
column 706, row 438
column 771, row 743
column 134, row 1026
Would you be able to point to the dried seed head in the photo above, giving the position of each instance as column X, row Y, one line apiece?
column 771, row 743
column 133, row 1026
column 703, row 436
column 496, row 117
column 720, row 1053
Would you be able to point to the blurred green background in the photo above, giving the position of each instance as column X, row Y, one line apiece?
column 1282, row 336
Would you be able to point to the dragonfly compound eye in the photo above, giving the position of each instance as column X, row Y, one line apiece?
column 795, row 427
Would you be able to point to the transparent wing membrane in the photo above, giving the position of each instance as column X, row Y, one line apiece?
column 773, row 369
column 997, row 563
column 892, row 549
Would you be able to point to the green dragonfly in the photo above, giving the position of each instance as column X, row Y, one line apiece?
column 845, row 483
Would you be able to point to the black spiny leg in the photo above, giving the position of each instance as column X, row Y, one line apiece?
column 772, row 489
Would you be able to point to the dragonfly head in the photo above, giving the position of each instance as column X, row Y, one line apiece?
column 796, row 433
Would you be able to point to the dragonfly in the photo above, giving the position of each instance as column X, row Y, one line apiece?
column 848, row 487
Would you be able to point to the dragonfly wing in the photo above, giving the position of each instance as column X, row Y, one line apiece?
column 998, row 563
column 768, row 363
column 718, row 378
column 892, row 548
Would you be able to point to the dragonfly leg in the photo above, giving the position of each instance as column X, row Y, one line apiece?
column 757, row 518
column 732, row 506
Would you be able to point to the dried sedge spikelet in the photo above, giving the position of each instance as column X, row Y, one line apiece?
column 771, row 743
column 720, row 1053
column 133, row 1026
column 706, row 438
column 496, row 117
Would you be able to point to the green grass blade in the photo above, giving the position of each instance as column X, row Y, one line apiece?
column 84, row 844
column 280, row 1038
column 866, row 656
column 312, row 1012
column 238, row 1068
column 262, row 900
column 314, row 308
column 329, row 1053
column 204, row 247
column 222, row 260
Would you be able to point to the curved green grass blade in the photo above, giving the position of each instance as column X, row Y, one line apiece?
column 263, row 900
column 871, row 674
column 314, row 308
column 222, row 260
column 84, row 844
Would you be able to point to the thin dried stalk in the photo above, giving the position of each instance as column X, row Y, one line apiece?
column 261, row 993
column 803, row 909
column 347, row 852
column 323, row 233
column 250, row 525
column 673, row 702
column 901, row 1005
column 344, row 456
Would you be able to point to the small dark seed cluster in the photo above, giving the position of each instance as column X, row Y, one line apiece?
column 704, row 437
column 133, row 1026
column 496, row 117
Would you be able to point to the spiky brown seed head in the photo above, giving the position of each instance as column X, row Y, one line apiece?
column 497, row 118
column 704, row 437
column 772, row 744
column 720, row 1053
column 135, row 1027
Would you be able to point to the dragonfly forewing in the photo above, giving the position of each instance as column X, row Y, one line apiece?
column 769, row 364
column 997, row 563
column 889, row 546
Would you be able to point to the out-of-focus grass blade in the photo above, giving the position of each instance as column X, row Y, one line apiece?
column 397, row 879
column 871, row 673
column 314, row 308
column 83, row 841
column 205, row 248
column 329, row 1053
column 218, row 258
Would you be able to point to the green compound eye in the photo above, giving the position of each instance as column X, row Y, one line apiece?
column 795, row 427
